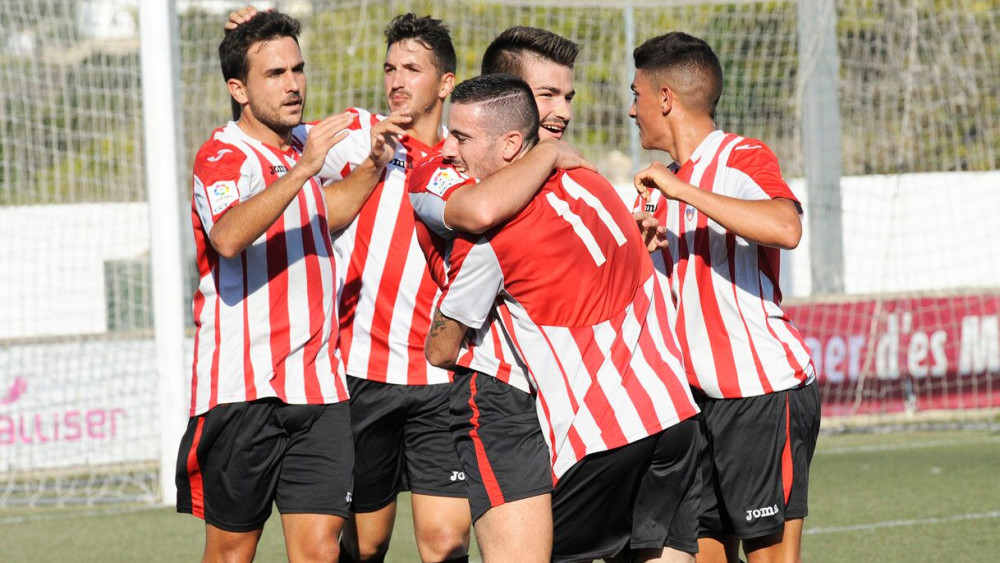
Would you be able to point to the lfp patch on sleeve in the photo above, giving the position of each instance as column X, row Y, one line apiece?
column 221, row 195
column 443, row 180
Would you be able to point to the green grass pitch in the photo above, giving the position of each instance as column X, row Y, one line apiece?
column 889, row 497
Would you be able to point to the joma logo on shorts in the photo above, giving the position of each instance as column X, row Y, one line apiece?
column 458, row 476
column 761, row 512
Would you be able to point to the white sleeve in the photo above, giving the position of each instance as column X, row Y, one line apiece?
column 475, row 282
column 345, row 156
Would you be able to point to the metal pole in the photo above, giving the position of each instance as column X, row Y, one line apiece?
column 158, row 29
column 633, row 131
column 821, row 156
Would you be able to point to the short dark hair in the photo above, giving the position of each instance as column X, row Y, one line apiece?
column 687, row 61
column 511, row 105
column 265, row 26
column 506, row 53
column 429, row 32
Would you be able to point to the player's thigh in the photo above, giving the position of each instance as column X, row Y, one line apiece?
column 750, row 465
column 665, row 513
column 311, row 537
column 441, row 526
column 223, row 545
column 228, row 465
column 499, row 442
column 519, row 531
column 317, row 472
column 431, row 462
column 592, row 504
column 378, row 412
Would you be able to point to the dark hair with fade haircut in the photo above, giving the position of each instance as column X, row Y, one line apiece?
column 429, row 32
column 265, row 26
column 689, row 62
column 510, row 104
column 506, row 53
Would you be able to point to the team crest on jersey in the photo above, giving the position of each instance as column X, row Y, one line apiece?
column 689, row 213
column 221, row 195
column 442, row 180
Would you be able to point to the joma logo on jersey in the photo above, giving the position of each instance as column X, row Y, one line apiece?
column 278, row 170
column 761, row 512
column 400, row 163
column 650, row 207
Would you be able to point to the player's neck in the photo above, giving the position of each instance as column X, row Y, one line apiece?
column 427, row 127
column 263, row 133
column 688, row 135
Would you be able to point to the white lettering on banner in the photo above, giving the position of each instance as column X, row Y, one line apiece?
column 980, row 349
column 887, row 350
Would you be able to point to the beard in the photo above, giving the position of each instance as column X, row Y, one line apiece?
column 272, row 115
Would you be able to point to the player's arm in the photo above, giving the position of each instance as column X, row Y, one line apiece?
column 444, row 340
column 480, row 207
column 769, row 222
column 242, row 224
column 345, row 198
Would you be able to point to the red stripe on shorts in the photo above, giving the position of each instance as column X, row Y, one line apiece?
column 485, row 469
column 787, row 471
column 194, row 474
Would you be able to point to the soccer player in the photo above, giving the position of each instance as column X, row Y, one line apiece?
column 269, row 414
column 586, row 322
column 497, row 435
column 729, row 211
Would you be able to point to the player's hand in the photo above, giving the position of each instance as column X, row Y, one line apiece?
column 565, row 156
column 321, row 138
column 653, row 233
column 659, row 177
column 385, row 137
column 239, row 17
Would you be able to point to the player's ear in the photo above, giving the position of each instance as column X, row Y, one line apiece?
column 666, row 99
column 446, row 84
column 237, row 90
column 513, row 142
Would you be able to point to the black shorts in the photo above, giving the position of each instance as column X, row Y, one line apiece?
column 237, row 459
column 499, row 442
column 756, row 461
column 402, row 441
column 643, row 495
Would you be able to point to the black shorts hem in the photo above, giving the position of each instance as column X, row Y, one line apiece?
column 373, row 507
column 439, row 493
column 761, row 533
column 236, row 528
column 669, row 542
column 520, row 495
column 342, row 513
column 795, row 515
column 592, row 556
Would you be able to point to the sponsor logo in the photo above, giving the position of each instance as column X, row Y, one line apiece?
column 762, row 512
column 218, row 156
column 278, row 170
column 401, row 163
column 458, row 476
column 221, row 195
column 17, row 388
column 650, row 207
column 442, row 180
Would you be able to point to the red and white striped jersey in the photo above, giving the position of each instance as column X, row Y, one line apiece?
column 266, row 319
column 490, row 349
column 737, row 341
column 388, row 293
column 585, row 312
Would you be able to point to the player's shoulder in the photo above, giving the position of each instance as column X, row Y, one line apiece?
column 221, row 153
column 590, row 180
column 436, row 176
column 749, row 154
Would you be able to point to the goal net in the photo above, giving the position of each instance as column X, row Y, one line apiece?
column 911, row 324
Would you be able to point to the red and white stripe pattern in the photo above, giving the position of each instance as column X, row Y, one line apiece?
column 265, row 319
column 585, row 313
column 388, row 292
column 737, row 341
column 489, row 350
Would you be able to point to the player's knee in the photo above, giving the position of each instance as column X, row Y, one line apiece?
column 443, row 544
column 318, row 551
